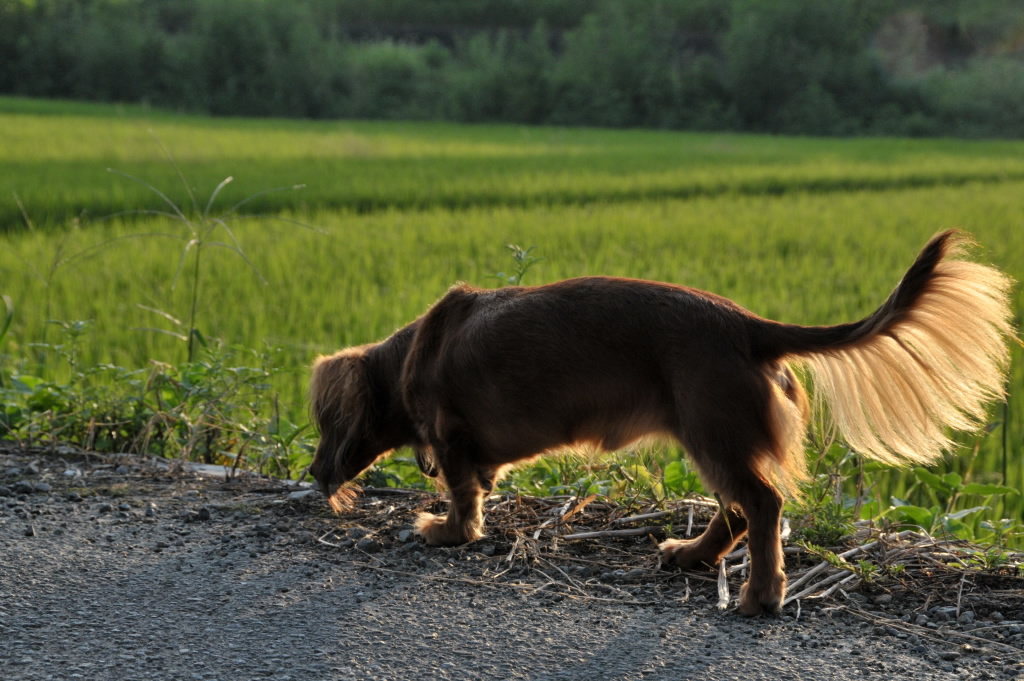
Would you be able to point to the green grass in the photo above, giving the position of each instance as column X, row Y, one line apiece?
column 802, row 230
column 56, row 163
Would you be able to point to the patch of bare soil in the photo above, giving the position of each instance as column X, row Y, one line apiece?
column 104, row 560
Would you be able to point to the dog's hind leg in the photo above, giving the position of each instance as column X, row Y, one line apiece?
column 730, row 434
column 761, row 509
column 761, row 503
column 721, row 535
column 753, row 507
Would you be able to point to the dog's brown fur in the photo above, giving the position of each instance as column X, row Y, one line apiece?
column 488, row 378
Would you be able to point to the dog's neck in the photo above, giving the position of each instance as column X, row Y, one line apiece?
column 383, row 364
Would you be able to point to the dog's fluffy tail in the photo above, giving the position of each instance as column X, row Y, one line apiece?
column 930, row 358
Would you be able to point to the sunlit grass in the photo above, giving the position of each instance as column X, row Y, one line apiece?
column 56, row 165
column 801, row 258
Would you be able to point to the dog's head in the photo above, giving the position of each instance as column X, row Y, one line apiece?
column 341, row 407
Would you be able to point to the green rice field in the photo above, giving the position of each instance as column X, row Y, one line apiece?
column 811, row 231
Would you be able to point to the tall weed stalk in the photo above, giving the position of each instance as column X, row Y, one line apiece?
column 201, row 229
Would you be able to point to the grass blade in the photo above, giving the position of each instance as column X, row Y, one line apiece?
column 177, row 211
column 173, row 334
column 177, row 169
column 8, row 315
column 193, row 243
column 275, row 190
column 156, row 311
column 213, row 197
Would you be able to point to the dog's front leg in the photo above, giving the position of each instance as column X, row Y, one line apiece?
column 464, row 522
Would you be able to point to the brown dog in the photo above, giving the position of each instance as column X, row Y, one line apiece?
column 488, row 378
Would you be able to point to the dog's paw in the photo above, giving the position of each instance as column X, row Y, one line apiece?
column 433, row 529
column 437, row 531
column 685, row 554
column 766, row 600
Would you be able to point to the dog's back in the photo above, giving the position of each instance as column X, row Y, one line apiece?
column 595, row 359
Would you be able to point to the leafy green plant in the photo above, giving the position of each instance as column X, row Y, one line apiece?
column 398, row 470
column 287, row 447
column 212, row 409
column 678, row 479
column 824, row 514
column 943, row 515
column 522, row 260
column 215, row 409
column 565, row 474
column 1002, row 532
column 866, row 570
column 89, row 408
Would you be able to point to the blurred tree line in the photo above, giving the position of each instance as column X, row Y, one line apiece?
column 842, row 67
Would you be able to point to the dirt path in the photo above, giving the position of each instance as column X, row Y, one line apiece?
column 117, row 569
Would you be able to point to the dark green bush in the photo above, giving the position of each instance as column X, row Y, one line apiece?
column 501, row 77
column 800, row 66
column 617, row 69
column 787, row 66
column 983, row 99
column 392, row 81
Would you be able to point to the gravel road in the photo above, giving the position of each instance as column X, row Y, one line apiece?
column 118, row 569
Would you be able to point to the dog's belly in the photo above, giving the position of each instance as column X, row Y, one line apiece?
column 611, row 434
column 609, row 422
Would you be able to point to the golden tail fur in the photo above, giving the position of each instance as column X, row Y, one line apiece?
column 930, row 358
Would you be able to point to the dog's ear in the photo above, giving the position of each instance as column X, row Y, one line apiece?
column 338, row 409
column 337, row 388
